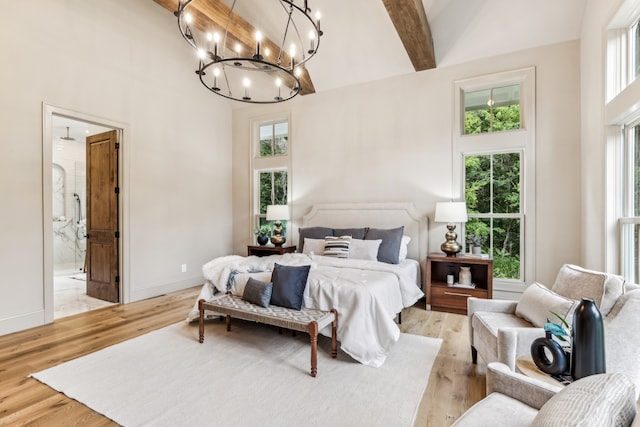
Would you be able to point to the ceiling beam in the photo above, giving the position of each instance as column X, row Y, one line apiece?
column 410, row 20
column 214, row 14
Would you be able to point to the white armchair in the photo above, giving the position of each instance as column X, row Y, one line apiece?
column 501, row 331
column 515, row 400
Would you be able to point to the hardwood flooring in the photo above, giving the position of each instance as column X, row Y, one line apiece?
column 454, row 386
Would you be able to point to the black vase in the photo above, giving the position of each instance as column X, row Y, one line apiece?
column 542, row 348
column 587, row 356
column 263, row 239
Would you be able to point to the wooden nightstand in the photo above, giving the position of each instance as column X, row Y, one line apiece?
column 442, row 297
column 269, row 250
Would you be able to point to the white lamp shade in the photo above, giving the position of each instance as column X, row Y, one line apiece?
column 277, row 212
column 451, row 212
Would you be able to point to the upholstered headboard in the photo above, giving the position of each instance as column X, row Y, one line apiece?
column 377, row 215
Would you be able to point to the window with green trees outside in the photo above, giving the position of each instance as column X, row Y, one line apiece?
column 492, row 110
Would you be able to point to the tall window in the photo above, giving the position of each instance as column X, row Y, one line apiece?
column 630, row 219
column 494, row 172
column 270, row 167
column 494, row 201
column 623, row 143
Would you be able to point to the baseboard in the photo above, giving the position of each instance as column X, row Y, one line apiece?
column 142, row 294
column 21, row 322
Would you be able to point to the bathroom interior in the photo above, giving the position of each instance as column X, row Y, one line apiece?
column 69, row 216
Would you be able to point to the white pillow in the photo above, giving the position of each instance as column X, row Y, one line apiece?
column 403, row 248
column 364, row 249
column 537, row 302
column 337, row 246
column 313, row 245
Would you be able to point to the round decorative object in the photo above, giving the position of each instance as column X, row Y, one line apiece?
column 465, row 275
column 549, row 356
column 587, row 356
column 263, row 239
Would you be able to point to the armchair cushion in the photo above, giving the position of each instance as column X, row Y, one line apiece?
column 537, row 303
column 576, row 282
column 598, row 400
column 497, row 410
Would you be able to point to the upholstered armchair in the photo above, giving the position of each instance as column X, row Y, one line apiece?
column 515, row 400
column 501, row 331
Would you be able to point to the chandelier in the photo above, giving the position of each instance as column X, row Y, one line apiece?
column 257, row 62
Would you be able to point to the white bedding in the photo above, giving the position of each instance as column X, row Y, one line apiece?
column 367, row 295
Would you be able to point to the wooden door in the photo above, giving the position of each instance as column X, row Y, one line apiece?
column 103, row 272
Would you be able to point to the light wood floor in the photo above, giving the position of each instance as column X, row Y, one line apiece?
column 454, row 385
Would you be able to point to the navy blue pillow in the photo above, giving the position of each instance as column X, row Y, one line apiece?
column 389, row 250
column 288, row 285
column 258, row 292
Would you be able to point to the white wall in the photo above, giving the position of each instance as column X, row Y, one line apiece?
column 390, row 140
column 126, row 62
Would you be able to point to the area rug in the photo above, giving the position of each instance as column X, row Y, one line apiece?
column 251, row 376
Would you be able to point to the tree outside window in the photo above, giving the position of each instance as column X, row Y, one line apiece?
column 493, row 197
column 492, row 110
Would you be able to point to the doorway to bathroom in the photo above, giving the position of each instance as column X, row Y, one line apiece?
column 69, row 191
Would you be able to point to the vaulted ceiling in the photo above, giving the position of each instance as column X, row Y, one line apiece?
column 369, row 40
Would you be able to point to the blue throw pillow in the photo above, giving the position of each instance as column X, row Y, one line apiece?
column 258, row 292
column 288, row 285
column 389, row 250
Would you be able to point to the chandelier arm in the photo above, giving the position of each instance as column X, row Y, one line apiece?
column 226, row 28
column 286, row 30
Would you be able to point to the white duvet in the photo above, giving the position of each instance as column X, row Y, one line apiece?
column 367, row 295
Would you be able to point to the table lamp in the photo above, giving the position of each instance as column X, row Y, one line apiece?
column 451, row 213
column 278, row 213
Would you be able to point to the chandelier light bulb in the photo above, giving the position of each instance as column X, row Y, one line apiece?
column 216, row 37
column 278, row 82
column 201, row 53
column 216, row 72
column 209, row 36
column 292, row 53
column 189, row 18
column 258, row 40
column 246, row 82
column 318, row 15
column 312, row 38
column 238, row 49
column 298, row 72
column 258, row 36
column 267, row 52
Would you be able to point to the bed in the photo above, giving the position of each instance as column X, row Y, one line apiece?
column 367, row 293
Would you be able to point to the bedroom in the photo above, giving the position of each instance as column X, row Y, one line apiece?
column 182, row 140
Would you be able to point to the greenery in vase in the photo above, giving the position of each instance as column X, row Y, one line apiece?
column 561, row 330
column 263, row 230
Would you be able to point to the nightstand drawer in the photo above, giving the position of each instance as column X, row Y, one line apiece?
column 452, row 299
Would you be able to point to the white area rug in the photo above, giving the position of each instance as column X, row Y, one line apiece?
column 251, row 376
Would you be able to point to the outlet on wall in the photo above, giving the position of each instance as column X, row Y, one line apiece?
column 184, row 268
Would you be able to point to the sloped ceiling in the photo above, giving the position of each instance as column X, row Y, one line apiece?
column 361, row 44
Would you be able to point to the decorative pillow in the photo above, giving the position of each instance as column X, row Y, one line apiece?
column 598, row 400
column 337, row 247
column 257, row 292
column 238, row 280
column 576, row 282
column 288, row 285
column 355, row 233
column 537, row 302
column 389, row 250
column 313, row 245
column 312, row 233
column 364, row 249
column 404, row 250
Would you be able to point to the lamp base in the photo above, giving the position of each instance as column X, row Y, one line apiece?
column 451, row 247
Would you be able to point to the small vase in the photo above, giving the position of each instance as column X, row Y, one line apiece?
column 587, row 356
column 465, row 276
column 542, row 348
column 476, row 250
column 263, row 239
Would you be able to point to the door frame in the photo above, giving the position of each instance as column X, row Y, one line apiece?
column 48, row 111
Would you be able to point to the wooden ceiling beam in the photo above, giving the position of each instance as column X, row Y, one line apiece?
column 213, row 14
column 410, row 20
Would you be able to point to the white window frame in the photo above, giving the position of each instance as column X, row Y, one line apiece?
column 280, row 162
column 622, row 114
column 522, row 140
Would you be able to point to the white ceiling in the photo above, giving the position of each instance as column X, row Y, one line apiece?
column 361, row 45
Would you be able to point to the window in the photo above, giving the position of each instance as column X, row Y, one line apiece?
column 493, row 170
column 494, row 200
column 623, row 143
column 271, row 159
column 630, row 219
column 492, row 110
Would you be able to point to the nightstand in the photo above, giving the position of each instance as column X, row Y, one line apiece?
column 269, row 250
column 453, row 299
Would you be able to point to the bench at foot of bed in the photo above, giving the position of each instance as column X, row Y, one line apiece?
column 306, row 320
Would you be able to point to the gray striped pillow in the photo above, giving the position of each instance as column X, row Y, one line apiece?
column 337, row 247
column 604, row 400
